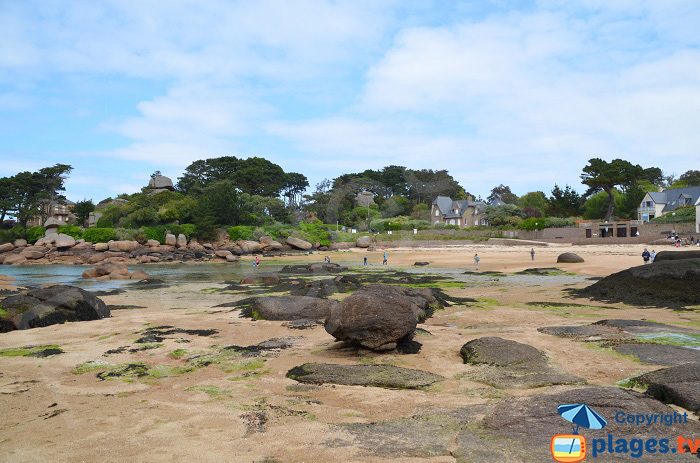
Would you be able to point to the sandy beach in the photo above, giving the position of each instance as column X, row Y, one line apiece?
column 245, row 409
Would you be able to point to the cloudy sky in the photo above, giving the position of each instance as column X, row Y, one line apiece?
column 506, row 91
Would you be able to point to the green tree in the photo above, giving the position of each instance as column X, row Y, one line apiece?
column 564, row 203
column 691, row 178
column 602, row 175
column 536, row 199
column 82, row 210
column 396, row 205
column 597, row 206
column 294, row 186
column 631, row 201
column 7, row 198
column 503, row 193
column 221, row 202
column 51, row 181
column 426, row 184
column 508, row 214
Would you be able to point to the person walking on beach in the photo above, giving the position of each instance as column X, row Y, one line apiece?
column 384, row 263
column 365, row 261
column 532, row 254
column 646, row 256
column 257, row 260
column 653, row 256
column 476, row 261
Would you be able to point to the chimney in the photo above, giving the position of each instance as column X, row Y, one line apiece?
column 661, row 189
column 470, row 198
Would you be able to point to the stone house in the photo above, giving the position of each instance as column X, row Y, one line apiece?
column 464, row 212
column 59, row 212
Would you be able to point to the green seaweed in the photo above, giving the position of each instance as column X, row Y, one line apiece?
column 31, row 351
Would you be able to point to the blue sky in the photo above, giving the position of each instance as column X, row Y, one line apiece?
column 514, row 92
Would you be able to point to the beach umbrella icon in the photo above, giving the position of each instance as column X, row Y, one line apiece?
column 581, row 415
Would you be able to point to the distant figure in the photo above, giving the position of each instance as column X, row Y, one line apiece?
column 678, row 242
column 532, row 254
column 255, row 264
column 653, row 256
column 384, row 263
column 328, row 259
column 692, row 240
column 476, row 261
column 646, row 256
column 365, row 261
column 257, row 260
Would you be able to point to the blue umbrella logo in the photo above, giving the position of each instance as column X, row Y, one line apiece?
column 581, row 415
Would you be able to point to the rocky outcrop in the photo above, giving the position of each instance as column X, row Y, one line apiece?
column 292, row 308
column 114, row 271
column 299, row 243
column 664, row 284
column 51, row 226
column 170, row 239
column 152, row 243
column 510, row 364
column 676, row 255
column 261, row 279
column 49, row 306
column 181, row 241
column 569, row 258
column 363, row 241
column 19, row 243
column 679, row 385
column 6, row 247
column 386, row 376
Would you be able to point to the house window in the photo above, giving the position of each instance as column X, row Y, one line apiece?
column 437, row 213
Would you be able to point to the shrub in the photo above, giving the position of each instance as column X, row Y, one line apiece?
column 34, row 234
column 71, row 230
column 99, row 235
column 240, row 232
column 155, row 233
column 186, row 229
column 682, row 214
column 553, row 222
column 126, row 234
column 14, row 233
column 533, row 223
column 315, row 232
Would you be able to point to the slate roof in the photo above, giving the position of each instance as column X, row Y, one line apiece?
column 445, row 204
column 671, row 197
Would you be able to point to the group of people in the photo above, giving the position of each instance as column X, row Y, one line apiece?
column 384, row 262
column 648, row 256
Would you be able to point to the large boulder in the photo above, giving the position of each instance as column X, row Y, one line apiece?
column 6, row 247
column 101, row 247
column 51, row 226
column 20, row 243
column 64, row 241
column 569, row 258
column 140, row 275
column 15, row 259
column 422, row 300
column 292, row 308
column 123, row 246
column 152, row 243
column 325, row 267
column 31, row 254
column 299, row 243
column 363, row 241
column 373, row 319
column 181, row 241
column 249, row 247
column 676, row 255
column 223, row 253
column 49, row 306
column 261, row 279
column 672, row 283
column 170, row 239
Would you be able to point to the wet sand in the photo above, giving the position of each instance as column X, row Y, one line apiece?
column 253, row 413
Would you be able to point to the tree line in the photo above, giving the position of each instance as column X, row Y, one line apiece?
column 227, row 190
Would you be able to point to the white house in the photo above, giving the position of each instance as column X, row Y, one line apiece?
column 658, row 203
